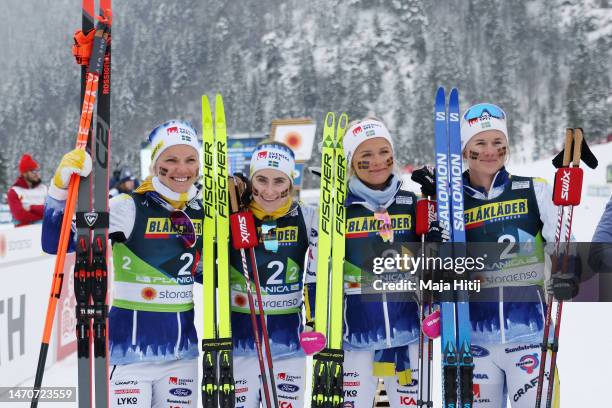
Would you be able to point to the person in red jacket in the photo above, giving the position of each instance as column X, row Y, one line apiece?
column 26, row 197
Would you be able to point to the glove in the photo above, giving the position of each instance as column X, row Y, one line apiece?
column 565, row 279
column 309, row 326
column 436, row 233
column 565, row 288
column 243, row 186
column 426, row 177
column 75, row 162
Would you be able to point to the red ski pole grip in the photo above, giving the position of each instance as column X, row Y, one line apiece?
column 425, row 209
column 568, row 186
column 244, row 233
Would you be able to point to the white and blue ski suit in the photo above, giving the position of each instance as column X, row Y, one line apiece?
column 152, row 341
column 507, row 315
column 380, row 329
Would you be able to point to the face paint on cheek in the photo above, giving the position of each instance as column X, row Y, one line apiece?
column 255, row 192
column 474, row 155
column 502, row 151
column 390, row 162
column 163, row 171
column 285, row 193
column 363, row 165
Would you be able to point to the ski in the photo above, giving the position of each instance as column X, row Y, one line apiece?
column 218, row 387
column 464, row 327
column 244, row 236
column 90, row 273
column 100, row 233
column 320, row 375
column 457, row 364
column 336, row 394
column 327, row 383
column 447, row 305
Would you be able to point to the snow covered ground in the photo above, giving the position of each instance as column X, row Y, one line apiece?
column 585, row 337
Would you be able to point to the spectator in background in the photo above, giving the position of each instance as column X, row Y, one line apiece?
column 26, row 197
column 600, row 253
column 125, row 184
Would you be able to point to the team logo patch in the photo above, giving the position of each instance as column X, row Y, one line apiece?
column 288, row 387
column 519, row 185
column 528, row 363
column 90, row 218
column 478, row 351
column 403, row 200
column 148, row 293
column 180, row 392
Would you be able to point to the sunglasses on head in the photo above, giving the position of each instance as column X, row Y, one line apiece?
column 181, row 223
column 384, row 225
column 483, row 110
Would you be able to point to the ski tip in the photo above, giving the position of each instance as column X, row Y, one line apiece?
column 219, row 111
column 440, row 93
column 342, row 125
column 205, row 107
column 330, row 119
column 454, row 95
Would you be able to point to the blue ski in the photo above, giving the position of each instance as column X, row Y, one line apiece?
column 447, row 301
column 454, row 306
column 464, row 328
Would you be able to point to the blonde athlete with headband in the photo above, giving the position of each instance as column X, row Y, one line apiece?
column 507, row 315
column 287, row 232
column 156, row 240
column 381, row 330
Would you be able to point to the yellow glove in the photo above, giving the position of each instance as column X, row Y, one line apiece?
column 75, row 162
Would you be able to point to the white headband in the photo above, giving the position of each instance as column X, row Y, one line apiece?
column 171, row 133
column 273, row 156
column 362, row 131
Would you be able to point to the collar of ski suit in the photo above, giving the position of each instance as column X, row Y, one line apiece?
column 176, row 200
column 359, row 193
column 500, row 180
column 281, row 211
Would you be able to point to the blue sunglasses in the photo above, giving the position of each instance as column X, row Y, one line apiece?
column 480, row 110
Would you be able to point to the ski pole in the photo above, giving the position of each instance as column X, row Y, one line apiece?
column 244, row 236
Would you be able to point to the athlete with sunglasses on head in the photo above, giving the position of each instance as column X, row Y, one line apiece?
column 507, row 315
column 381, row 329
column 287, row 232
column 152, row 341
